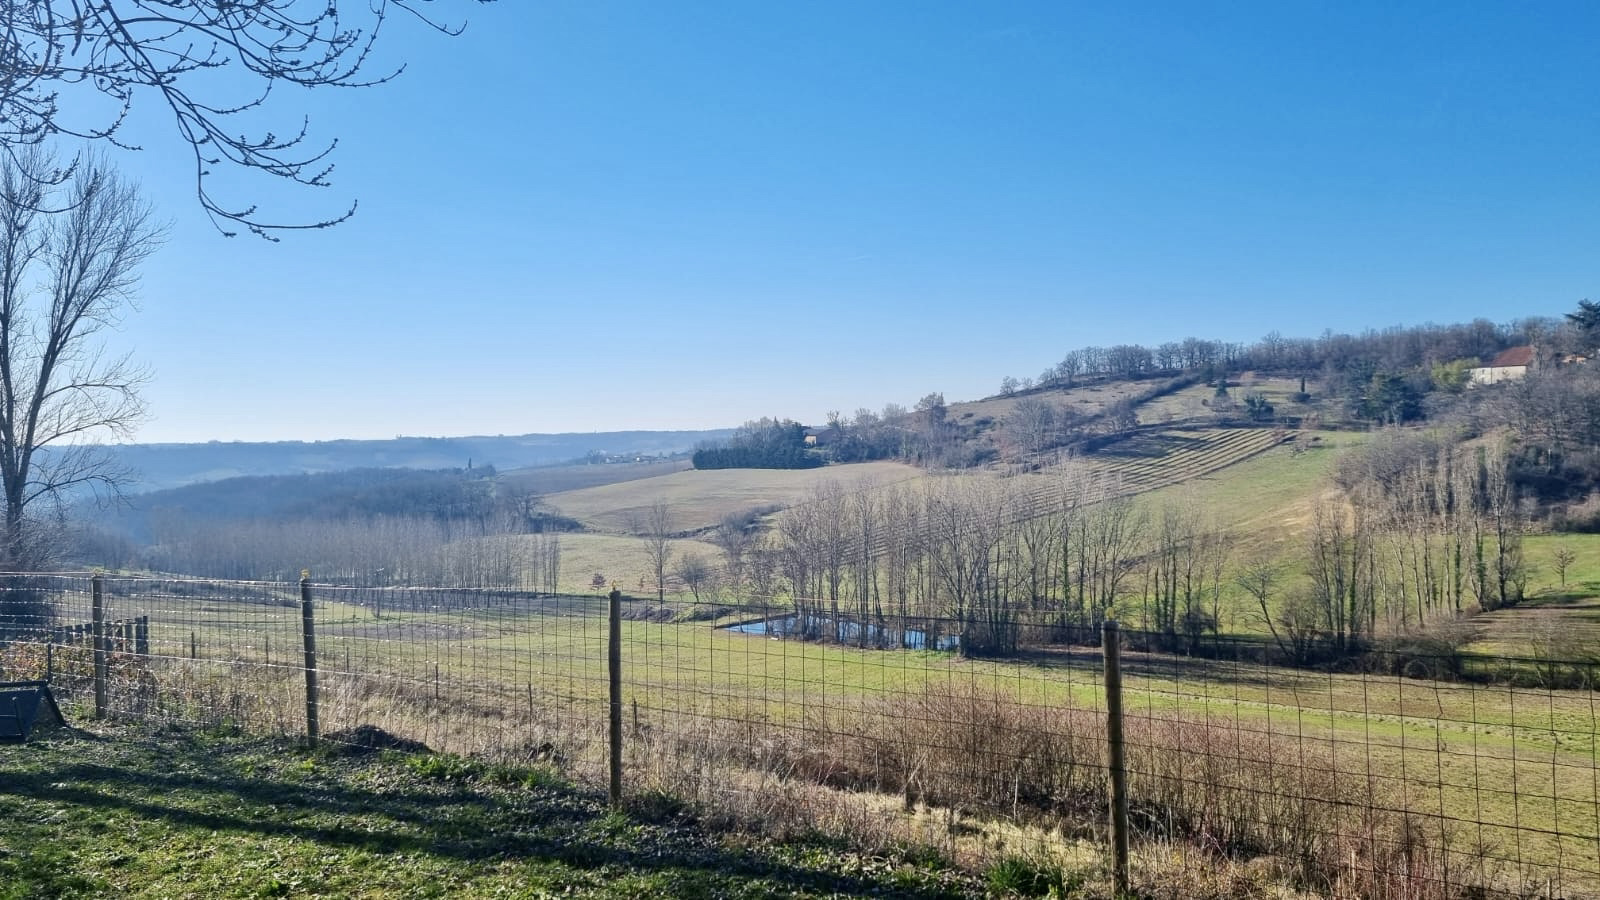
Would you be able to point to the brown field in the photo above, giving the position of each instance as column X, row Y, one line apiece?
column 555, row 479
column 699, row 499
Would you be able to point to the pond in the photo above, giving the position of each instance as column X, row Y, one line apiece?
column 885, row 636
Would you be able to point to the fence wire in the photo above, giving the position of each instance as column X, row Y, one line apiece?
column 1391, row 775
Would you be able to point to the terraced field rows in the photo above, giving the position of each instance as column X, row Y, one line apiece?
column 1150, row 461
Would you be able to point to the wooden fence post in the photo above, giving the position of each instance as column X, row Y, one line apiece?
column 1116, row 763
column 614, row 670
column 308, row 628
column 97, row 592
column 141, row 635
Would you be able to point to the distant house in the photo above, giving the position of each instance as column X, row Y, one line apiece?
column 1508, row 366
column 817, row 437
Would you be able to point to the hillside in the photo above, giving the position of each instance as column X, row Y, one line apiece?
column 159, row 466
column 699, row 500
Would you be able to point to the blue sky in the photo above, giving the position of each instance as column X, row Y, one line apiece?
column 603, row 215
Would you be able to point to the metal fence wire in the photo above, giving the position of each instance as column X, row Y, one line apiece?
column 1394, row 775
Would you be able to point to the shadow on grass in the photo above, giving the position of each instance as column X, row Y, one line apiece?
column 266, row 788
column 1574, row 595
column 1153, row 446
column 1242, row 671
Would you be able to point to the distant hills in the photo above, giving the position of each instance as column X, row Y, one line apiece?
column 161, row 466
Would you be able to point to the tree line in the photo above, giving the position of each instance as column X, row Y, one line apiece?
column 463, row 528
column 1394, row 350
column 1416, row 531
column 761, row 444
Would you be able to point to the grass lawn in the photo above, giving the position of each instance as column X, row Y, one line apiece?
column 135, row 812
column 1556, row 621
column 624, row 560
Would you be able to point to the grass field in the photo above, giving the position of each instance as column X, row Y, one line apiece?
column 1556, row 622
column 1087, row 399
column 700, row 499
column 555, row 479
column 133, row 812
column 1504, row 777
column 621, row 559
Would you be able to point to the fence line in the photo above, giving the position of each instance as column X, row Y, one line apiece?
column 1345, row 782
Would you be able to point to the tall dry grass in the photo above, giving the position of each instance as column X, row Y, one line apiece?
column 954, row 768
column 1224, row 797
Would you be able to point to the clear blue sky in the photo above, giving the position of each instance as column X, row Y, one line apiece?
column 604, row 215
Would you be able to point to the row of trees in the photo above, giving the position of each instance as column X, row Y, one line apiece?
column 381, row 551
column 1394, row 350
column 761, row 444
column 1418, row 531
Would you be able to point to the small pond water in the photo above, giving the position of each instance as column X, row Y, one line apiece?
column 884, row 636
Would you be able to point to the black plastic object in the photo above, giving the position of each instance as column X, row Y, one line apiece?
column 20, row 705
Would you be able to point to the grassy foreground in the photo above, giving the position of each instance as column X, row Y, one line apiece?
column 138, row 812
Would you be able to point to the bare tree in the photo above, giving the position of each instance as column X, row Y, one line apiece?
column 172, row 51
column 655, row 526
column 1032, row 426
column 70, row 248
column 1563, row 559
column 1342, row 566
column 547, row 562
column 734, row 536
column 1259, row 579
column 693, row 571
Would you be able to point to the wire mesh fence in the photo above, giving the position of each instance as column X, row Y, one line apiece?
column 1383, row 775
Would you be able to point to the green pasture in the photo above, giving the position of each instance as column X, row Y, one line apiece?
column 1511, row 768
column 124, row 811
column 1555, row 622
column 623, row 560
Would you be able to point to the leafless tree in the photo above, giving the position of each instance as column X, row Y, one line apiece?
column 1342, row 565
column 56, row 55
column 1032, row 426
column 70, row 249
column 865, row 516
column 1187, row 558
column 546, row 552
column 734, row 536
column 693, row 571
column 1562, row 559
column 1259, row 579
column 834, row 544
column 1505, row 520
column 655, row 526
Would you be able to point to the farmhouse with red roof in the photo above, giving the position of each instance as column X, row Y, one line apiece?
column 1508, row 366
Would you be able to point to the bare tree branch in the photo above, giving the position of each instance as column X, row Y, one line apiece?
column 122, row 50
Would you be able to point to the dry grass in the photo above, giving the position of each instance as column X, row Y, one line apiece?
column 700, row 499
column 554, row 479
column 968, row 771
column 973, row 772
column 620, row 558
column 1088, row 399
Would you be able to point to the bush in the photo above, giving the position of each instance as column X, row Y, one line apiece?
column 1024, row 876
column 1432, row 652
